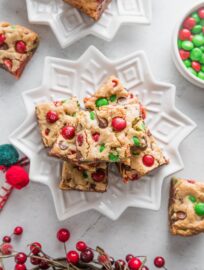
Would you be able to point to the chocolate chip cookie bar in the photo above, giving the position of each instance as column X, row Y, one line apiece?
column 55, row 117
column 17, row 46
column 111, row 92
column 110, row 134
column 186, row 207
column 142, row 162
column 92, row 8
column 92, row 178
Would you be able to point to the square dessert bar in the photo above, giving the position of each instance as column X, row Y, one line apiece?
column 186, row 207
column 111, row 92
column 92, row 8
column 94, row 178
column 110, row 134
column 142, row 162
column 17, row 45
column 53, row 117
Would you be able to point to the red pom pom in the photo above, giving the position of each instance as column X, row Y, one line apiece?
column 17, row 177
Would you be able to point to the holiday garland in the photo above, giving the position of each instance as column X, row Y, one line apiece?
column 83, row 258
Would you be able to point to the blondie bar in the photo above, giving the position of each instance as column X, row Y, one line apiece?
column 94, row 178
column 92, row 8
column 110, row 134
column 54, row 117
column 143, row 162
column 186, row 207
column 17, row 45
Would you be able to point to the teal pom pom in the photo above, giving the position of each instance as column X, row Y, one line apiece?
column 8, row 155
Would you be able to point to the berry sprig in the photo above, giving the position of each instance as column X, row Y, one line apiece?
column 82, row 258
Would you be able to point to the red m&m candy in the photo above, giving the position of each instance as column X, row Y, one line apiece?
column 118, row 124
column 184, row 34
column 189, row 23
column 148, row 160
column 184, row 54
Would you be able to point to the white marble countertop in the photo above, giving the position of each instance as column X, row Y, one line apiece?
column 137, row 231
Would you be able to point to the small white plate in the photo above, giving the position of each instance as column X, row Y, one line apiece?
column 62, row 78
column 70, row 25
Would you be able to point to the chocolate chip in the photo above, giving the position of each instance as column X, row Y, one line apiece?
column 181, row 215
column 102, row 122
column 63, row 145
column 122, row 100
column 4, row 47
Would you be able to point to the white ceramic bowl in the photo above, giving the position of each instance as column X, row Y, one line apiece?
column 175, row 51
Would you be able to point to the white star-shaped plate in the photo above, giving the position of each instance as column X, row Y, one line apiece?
column 63, row 78
column 70, row 25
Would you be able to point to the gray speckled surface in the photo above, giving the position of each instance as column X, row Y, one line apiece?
column 137, row 231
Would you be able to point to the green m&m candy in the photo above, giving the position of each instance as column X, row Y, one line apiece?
column 92, row 115
column 196, row 17
column 113, row 98
column 85, row 174
column 192, row 198
column 201, row 75
column 202, row 68
column 202, row 48
column 187, row 63
column 198, row 40
column 197, row 29
column 179, row 43
column 136, row 141
column 113, row 157
column 187, row 45
column 199, row 209
column 196, row 54
column 202, row 22
column 102, row 147
column 101, row 102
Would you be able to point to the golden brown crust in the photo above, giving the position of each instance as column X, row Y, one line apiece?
column 183, row 219
column 92, row 8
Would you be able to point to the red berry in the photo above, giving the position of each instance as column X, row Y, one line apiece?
column 63, row 235
column 80, row 139
column 6, row 239
column 134, row 264
column 129, row 257
column 184, row 34
column 20, row 46
column 159, row 262
column 99, row 175
column 148, row 160
column 120, row 265
column 87, row 255
column 81, row 246
column 35, row 248
column 20, row 267
column 189, row 23
column 184, row 54
column 118, row 124
column 52, row 117
column 8, row 63
column 2, row 39
column 73, row 257
column 44, row 264
column 201, row 13
column 18, row 230
column 196, row 66
column 20, row 258
column 35, row 261
column 68, row 132
column 96, row 136
column 6, row 248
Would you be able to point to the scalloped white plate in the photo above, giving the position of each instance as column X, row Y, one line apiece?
column 62, row 78
column 70, row 25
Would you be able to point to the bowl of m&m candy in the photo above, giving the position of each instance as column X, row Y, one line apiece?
column 188, row 45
